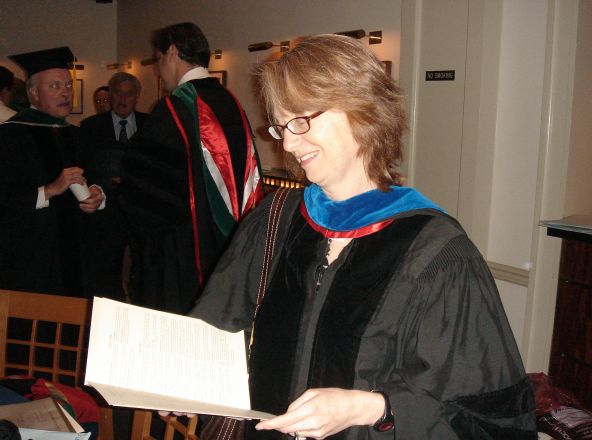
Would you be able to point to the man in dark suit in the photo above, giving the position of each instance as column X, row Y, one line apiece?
column 124, row 91
column 105, row 137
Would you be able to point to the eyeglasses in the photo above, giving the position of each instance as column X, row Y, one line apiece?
column 102, row 100
column 299, row 125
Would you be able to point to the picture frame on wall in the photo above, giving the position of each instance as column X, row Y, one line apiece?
column 220, row 75
column 388, row 67
column 78, row 92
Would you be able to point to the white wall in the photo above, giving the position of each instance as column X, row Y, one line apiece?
column 518, row 125
column 517, row 139
column 232, row 25
column 542, row 154
column 483, row 129
column 564, row 120
column 88, row 28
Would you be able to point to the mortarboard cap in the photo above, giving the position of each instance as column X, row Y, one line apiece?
column 35, row 62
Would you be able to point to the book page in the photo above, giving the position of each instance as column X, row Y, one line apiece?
column 163, row 354
column 141, row 399
column 37, row 414
column 36, row 434
column 74, row 425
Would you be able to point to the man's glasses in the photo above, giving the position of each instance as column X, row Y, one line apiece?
column 102, row 100
column 299, row 125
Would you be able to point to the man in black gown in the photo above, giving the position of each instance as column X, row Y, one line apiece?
column 40, row 248
column 188, row 176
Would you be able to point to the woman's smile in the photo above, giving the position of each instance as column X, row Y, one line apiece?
column 307, row 158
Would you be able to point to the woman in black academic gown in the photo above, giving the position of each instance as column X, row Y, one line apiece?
column 380, row 318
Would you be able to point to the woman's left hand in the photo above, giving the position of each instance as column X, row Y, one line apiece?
column 321, row 412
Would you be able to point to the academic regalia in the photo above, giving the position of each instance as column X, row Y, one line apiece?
column 39, row 248
column 40, row 60
column 182, row 212
column 409, row 307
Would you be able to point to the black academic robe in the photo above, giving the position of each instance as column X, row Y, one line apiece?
column 411, row 310
column 40, row 249
column 155, row 199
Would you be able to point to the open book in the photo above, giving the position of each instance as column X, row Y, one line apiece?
column 143, row 358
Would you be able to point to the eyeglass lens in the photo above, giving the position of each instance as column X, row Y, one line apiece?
column 299, row 125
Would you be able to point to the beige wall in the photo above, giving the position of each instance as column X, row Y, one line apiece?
column 509, row 140
column 568, row 24
column 88, row 28
column 437, row 121
column 578, row 197
column 232, row 25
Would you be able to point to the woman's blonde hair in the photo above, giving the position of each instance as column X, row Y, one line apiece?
column 336, row 72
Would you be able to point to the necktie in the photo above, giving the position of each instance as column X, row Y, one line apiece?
column 123, row 131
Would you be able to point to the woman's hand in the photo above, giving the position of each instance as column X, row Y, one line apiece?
column 321, row 412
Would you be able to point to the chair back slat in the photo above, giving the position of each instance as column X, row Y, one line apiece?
column 64, row 313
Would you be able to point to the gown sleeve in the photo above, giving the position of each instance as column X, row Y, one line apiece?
column 19, row 176
column 461, row 374
column 228, row 301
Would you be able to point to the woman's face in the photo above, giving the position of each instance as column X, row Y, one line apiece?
column 328, row 154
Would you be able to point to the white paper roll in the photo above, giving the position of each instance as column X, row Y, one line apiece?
column 80, row 191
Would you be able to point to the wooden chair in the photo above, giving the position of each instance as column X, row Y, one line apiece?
column 143, row 421
column 58, row 356
column 68, row 319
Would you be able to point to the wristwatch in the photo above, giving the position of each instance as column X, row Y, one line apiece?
column 387, row 421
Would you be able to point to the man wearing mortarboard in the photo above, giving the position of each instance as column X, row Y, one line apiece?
column 40, row 246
